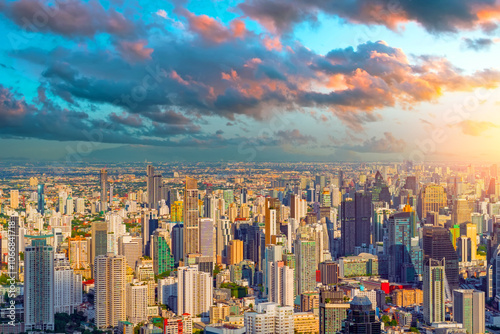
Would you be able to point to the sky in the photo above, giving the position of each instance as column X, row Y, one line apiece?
column 250, row 80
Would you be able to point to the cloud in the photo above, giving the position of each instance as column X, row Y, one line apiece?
column 475, row 128
column 386, row 144
column 135, row 51
column 280, row 16
column 69, row 18
column 294, row 137
column 478, row 44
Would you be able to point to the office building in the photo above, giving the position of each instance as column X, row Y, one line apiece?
column 434, row 291
column 469, row 230
column 329, row 272
column 437, row 245
column 99, row 240
column 361, row 317
column 207, row 237
column 14, row 199
column 104, row 189
column 39, row 286
column 432, row 198
column 235, row 252
column 163, row 260
column 399, row 245
column 461, row 212
column 191, row 217
column 110, row 290
column 469, row 310
column 306, row 265
column 356, row 215
column 332, row 310
column 41, row 199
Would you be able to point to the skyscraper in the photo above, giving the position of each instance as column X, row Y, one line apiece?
column 280, row 283
column 399, row 246
column 437, row 245
column 110, row 294
column 67, row 286
column 163, row 260
column 272, row 210
column 469, row 230
column 469, row 310
column 104, row 189
column 207, row 239
column 191, row 217
column 432, row 198
column 332, row 310
column 39, row 285
column 194, row 291
column 461, row 212
column 41, row 199
column 149, row 226
column 14, row 199
column 434, row 291
column 13, row 259
column 356, row 218
column 361, row 318
column 99, row 240
column 305, row 255
column 329, row 272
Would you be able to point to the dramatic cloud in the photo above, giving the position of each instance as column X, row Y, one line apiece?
column 280, row 16
column 69, row 18
column 386, row 144
column 475, row 128
column 478, row 44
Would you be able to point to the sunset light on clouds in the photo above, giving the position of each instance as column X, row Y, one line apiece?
column 294, row 80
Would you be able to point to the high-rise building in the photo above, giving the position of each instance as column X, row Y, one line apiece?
column 207, row 237
column 432, row 198
column 80, row 205
column 163, row 260
column 464, row 249
column 13, row 261
column 280, row 284
column 104, row 189
column 194, row 291
column 361, row 318
column 99, row 240
column 79, row 252
column 14, row 199
column 235, row 252
column 110, row 290
column 191, row 218
column 270, row 318
column 356, row 222
column 41, row 200
column 399, row 228
column 272, row 211
column 149, row 226
column 329, row 272
column 469, row 230
column 178, row 242
column 67, row 286
column 39, row 285
column 434, row 291
column 437, row 245
column 332, row 310
column 306, row 265
column 462, row 212
column 468, row 310
column 137, row 302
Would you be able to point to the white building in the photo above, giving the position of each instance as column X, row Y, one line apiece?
column 137, row 302
column 110, row 295
column 280, row 283
column 270, row 318
column 67, row 284
column 194, row 291
column 167, row 292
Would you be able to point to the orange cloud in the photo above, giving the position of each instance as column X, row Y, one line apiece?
column 273, row 43
column 475, row 128
column 135, row 51
column 214, row 31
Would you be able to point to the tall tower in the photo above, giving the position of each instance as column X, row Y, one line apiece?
column 13, row 261
column 67, row 286
column 191, row 217
column 434, row 294
column 399, row 233
column 104, row 189
column 272, row 213
column 14, row 199
column 437, row 245
column 39, row 285
column 150, row 171
column 110, row 294
column 99, row 240
column 305, row 252
column 41, row 199
column 468, row 310
column 194, row 291
column 432, row 198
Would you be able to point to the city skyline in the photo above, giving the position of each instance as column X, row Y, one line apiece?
column 249, row 81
